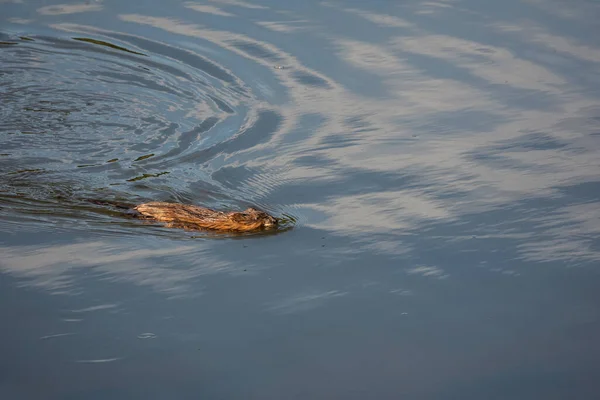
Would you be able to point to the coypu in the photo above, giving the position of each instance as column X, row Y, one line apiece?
column 191, row 217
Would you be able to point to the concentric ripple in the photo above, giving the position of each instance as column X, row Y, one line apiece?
column 115, row 117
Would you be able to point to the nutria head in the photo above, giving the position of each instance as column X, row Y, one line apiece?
column 253, row 217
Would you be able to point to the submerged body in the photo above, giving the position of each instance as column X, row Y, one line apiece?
column 191, row 217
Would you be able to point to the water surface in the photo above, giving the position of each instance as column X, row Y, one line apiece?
column 441, row 159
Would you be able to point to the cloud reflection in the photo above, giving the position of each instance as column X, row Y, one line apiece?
column 239, row 3
column 53, row 267
column 64, row 9
column 383, row 20
column 284, row 26
column 208, row 9
column 22, row 21
column 304, row 302
column 428, row 271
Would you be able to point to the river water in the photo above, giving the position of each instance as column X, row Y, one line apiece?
column 440, row 159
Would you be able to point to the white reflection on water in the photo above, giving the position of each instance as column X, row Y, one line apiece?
column 239, row 3
column 395, row 211
column 285, row 27
column 568, row 235
column 56, row 335
column 581, row 12
column 493, row 64
column 535, row 33
column 432, row 7
column 304, row 301
column 428, row 271
column 52, row 267
column 381, row 19
column 99, row 360
column 207, row 9
column 19, row 20
column 95, row 308
column 63, row 9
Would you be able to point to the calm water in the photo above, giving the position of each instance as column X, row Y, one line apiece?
column 442, row 160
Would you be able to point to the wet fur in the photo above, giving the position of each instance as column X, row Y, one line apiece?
column 190, row 217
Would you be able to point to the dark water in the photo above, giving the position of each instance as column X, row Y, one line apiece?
column 442, row 160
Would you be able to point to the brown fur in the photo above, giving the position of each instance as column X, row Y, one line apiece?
column 190, row 217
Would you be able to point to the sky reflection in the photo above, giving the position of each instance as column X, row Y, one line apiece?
column 469, row 125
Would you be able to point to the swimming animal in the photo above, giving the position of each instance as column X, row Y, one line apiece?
column 190, row 217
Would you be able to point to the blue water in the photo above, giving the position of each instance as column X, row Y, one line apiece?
column 441, row 161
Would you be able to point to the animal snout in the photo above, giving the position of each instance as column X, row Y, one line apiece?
column 271, row 222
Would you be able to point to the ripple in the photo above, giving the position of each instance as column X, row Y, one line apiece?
column 117, row 114
column 99, row 360
column 385, row 126
column 147, row 335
